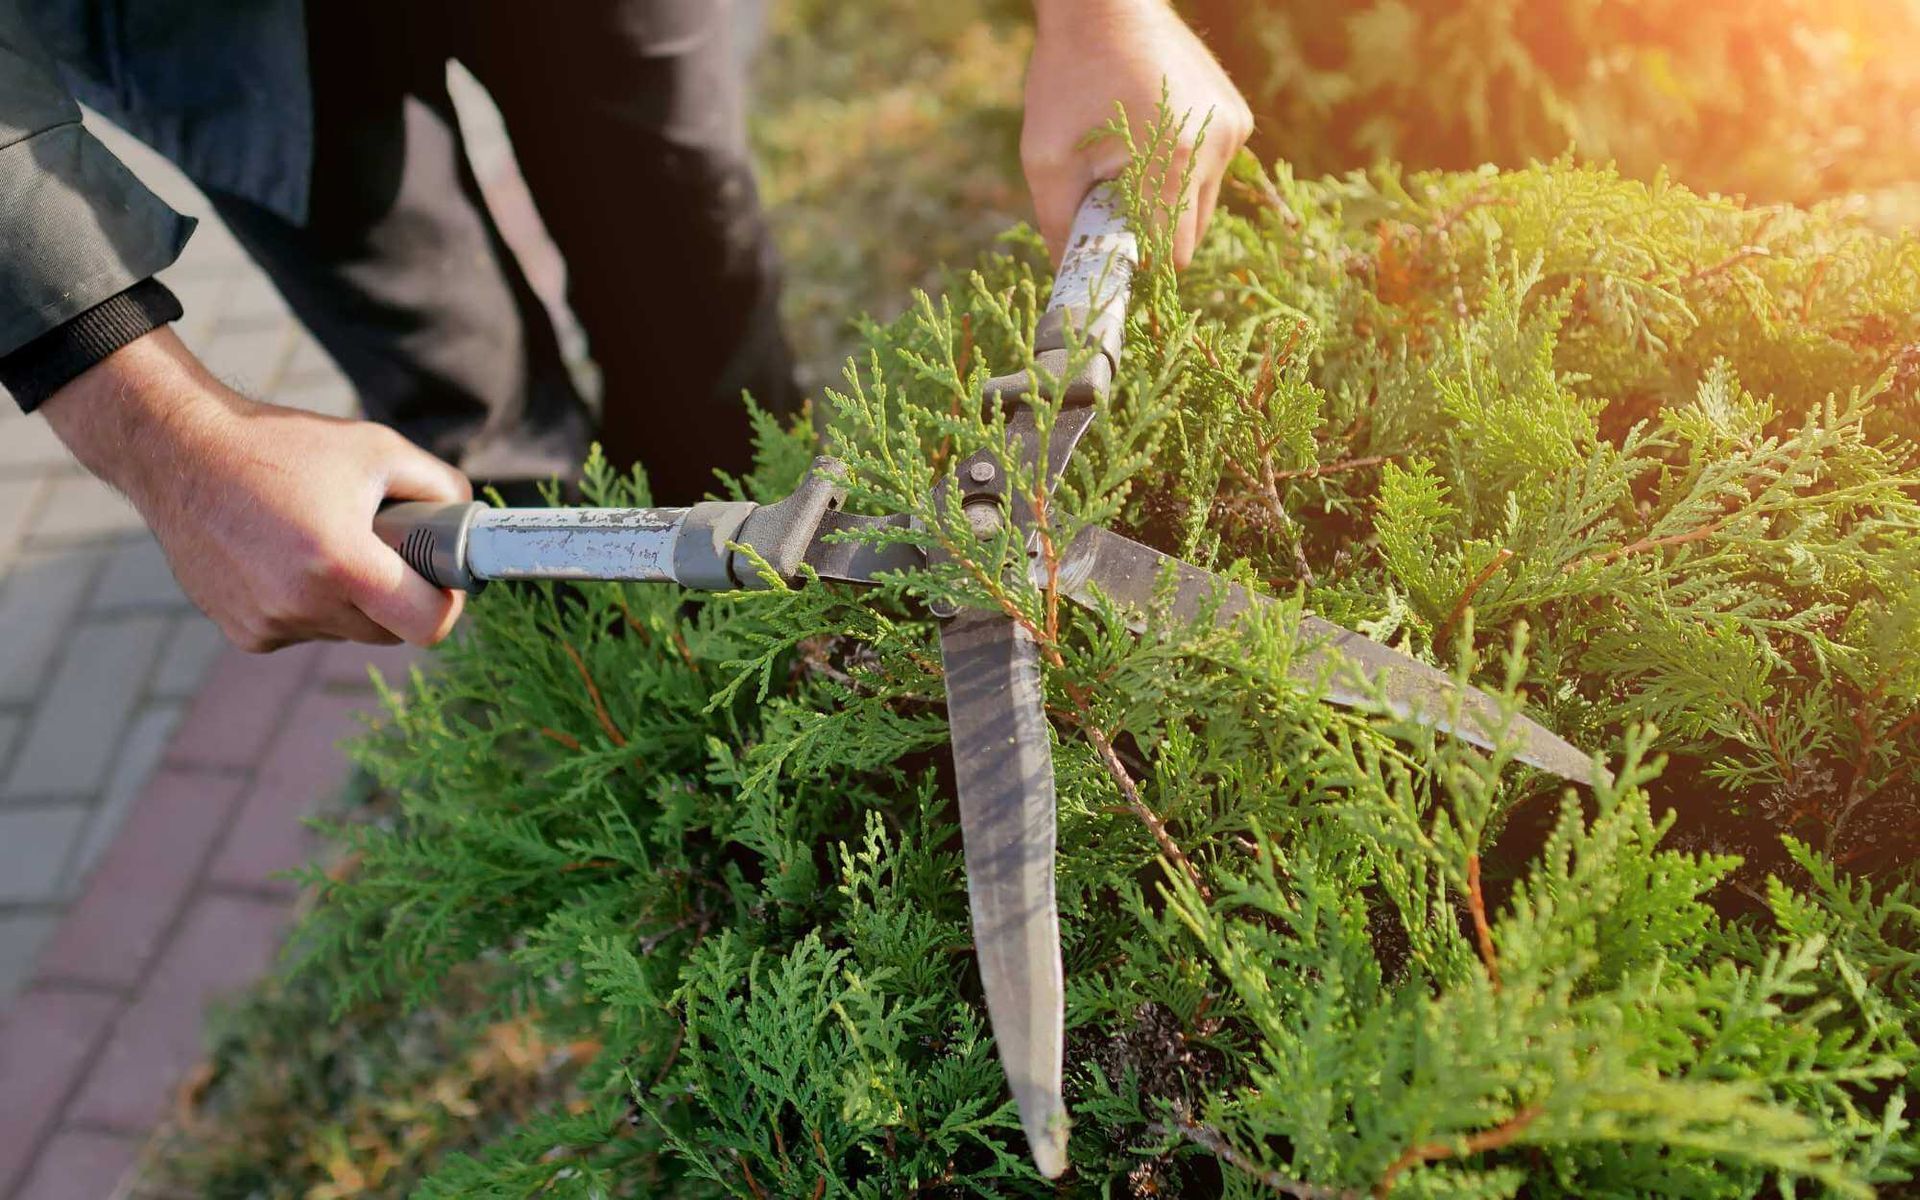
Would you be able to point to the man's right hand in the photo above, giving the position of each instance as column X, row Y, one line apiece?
column 265, row 513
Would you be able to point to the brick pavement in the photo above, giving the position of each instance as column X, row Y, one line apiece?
column 185, row 907
column 99, row 651
column 152, row 783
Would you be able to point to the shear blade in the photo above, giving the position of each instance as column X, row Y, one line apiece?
column 1003, row 765
column 1102, row 563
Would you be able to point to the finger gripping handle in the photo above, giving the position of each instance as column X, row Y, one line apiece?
column 432, row 538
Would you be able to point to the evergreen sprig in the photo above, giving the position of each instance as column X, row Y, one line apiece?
column 1551, row 429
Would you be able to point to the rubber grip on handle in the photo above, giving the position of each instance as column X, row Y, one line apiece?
column 432, row 538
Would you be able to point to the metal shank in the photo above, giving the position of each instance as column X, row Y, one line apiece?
column 1104, row 564
column 575, row 543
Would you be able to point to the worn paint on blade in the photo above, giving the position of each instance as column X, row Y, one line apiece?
column 1101, row 563
column 1003, row 767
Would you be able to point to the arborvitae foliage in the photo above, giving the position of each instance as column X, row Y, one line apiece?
column 1641, row 462
column 1776, row 99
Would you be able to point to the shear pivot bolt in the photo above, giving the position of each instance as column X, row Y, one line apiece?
column 981, row 472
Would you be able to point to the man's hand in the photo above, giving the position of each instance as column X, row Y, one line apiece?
column 1087, row 54
column 265, row 513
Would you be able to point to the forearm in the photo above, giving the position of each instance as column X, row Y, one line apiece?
column 126, row 417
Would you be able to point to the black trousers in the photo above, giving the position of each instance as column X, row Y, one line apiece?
column 626, row 117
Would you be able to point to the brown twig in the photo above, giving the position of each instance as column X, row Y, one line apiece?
column 1490, row 1139
column 565, row 739
column 1048, row 642
column 1905, row 723
column 1732, row 260
column 593, row 693
column 1266, row 484
column 1769, row 729
column 1211, row 1140
column 1333, row 468
column 752, row 1184
column 626, row 614
column 673, row 1055
column 1473, row 589
column 1110, row 758
column 1700, row 533
column 1482, row 931
column 1865, row 715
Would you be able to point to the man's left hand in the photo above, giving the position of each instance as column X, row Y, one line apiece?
column 1088, row 54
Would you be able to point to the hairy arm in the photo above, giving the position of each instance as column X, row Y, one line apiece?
column 265, row 513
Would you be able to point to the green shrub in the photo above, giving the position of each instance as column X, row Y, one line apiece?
column 1775, row 99
column 1641, row 460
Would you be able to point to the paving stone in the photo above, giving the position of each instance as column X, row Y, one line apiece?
column 37, row 601
column 30, row 445
column 81, row 508
column 203, row 297
column 82, row 1165
column 212, row 250
column 345, row 664
column 71, row 738
column 226, row 943
column 238, row 707
column 35, row 844
column 143, row 881
column 10, row 726
column 17, row 508
column 253, row 302
column 137, row 577
column 22, row 934
column 249, row 360
column 45, row 1039
column 310, row 363
column 302, row 771
column 191, row 649
column 134, row 764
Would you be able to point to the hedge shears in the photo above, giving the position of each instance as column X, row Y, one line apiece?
column 1003, row 765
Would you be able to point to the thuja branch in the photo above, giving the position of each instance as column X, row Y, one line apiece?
column 1425, row 1152
column 593, row 693
column 1697, row 534
column 1214, row 1143
column 1472, row 589
column 1333, row 468
column 1482, row 931
column 1047, row 639
column 1110, row 758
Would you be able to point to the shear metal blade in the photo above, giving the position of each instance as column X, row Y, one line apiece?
column 1003, row 765
column 1103, row 563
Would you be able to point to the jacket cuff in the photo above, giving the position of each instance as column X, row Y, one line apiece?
column 51, row 361
column 76, row 227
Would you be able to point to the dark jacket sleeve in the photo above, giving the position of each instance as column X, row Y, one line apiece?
column 76, row 228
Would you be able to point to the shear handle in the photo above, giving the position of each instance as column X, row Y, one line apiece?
column 432, row 538
column 1090, row 289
